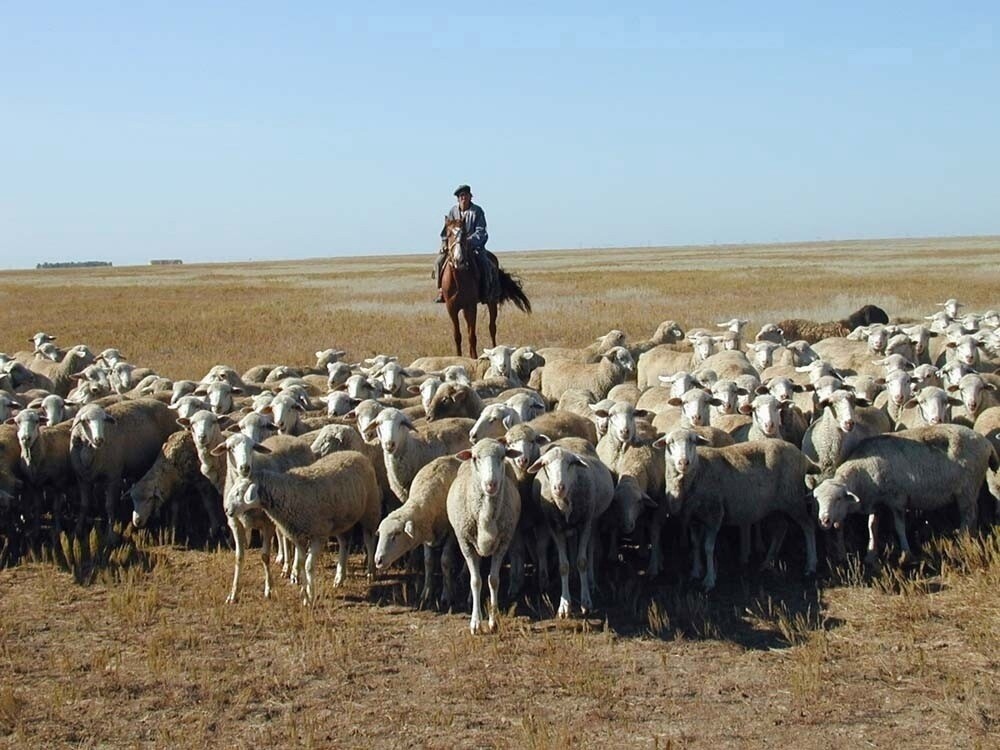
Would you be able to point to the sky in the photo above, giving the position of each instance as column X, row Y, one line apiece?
column 232, row 131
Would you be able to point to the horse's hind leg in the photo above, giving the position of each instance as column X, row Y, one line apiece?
column 470, row 322
column 493, row 323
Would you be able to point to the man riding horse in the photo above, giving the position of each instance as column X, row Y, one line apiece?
column 474, row 220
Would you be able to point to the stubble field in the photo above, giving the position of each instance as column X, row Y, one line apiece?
column 149, row 655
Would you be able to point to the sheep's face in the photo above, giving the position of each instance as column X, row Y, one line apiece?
column 966, row 350
column 145, row 500
column 284, row 412
column 970, row 390
column 954, row 371
column 494, row 422
column 527, row 406
column 726, row 392
column 328, row 357
column 220, row 397
column 841, row 406
column 392, row 377
column 392, row 428
column 934, row 405
column 240, row 450
column 54, row 408
column 556, row 471
column 427, row 390
column 395, row 539
column 90, row 423
column 456, row 374
column 28, row 423
column 188, row 406
column 680, row 383
column 338, row 404
column 704, row 347
column 782, row 389
column 925, row 375
column 257, row 427
column 899, row 386
column 487, row 458
column 878, row 337
column 834, row 501
column 500, row 361
column 204, row 427
column 694, row 405
column 630, row 501
column 243, row 496
column 763, row 354
column 528, row 447
column 337, row 374
column 765, row 413
column 621, row 423
column 620, row 356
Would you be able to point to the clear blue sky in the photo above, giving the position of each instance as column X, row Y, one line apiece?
column 230, row 131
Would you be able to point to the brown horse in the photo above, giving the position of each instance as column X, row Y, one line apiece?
column 460, row 287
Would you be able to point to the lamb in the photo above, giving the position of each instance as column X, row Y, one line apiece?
column 811, row 331
column 309, row 504
column 574, row 488
column 126, row 451
column 614, row 367
column 423, row 520
column 483, row 508
column 739, row 485
column 920, row 469
column 176, row 474
column 407, row 450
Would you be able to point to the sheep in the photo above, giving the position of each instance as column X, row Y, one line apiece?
column 454, row 400
column 286, row 412
column 483, row 508
column 423, row 520
column 771, row 418
column 175, row 473
column 525, row 360
column 664, row 359
column 100, row 455
column 60, row 374
column 44, row 459
column 219, row 395
column 739, row 485
column 835, row 432
column 406, row 450
column 236, row 453
column 258, row 427
column 337, row 374
column 576, row 401
column 920, row 469
column 770, row 332
column 494, row 422
column 309, row 504
column 625, row 392
column 614, row 367
column 527, row 406
column 729, row 364
column 976, row 394
column 438, row 364
column 187, row 406
column 574, row 488
column 668, row 332
column 811, row 331
column 691, row 410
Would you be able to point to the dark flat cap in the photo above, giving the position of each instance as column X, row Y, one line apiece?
column 462, row 189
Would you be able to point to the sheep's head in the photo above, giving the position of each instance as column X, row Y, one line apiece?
column 487, row 458
column 834, row 501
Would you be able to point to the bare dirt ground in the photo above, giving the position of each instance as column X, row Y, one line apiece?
column 149, row 655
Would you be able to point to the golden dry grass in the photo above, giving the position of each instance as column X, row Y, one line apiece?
column 148, row 655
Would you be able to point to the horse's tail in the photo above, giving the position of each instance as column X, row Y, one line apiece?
column 511, row 291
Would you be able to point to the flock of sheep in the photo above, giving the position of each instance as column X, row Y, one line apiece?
column 504, row 457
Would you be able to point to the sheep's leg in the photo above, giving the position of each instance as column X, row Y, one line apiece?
column 593, row 550
column 494, row 583
column 872, row 554
column 809, row 532
column 899, row 523
column 695, row 536
column 744, row 544
column 267, row 533
column 112, row 494
column 968, row 511
column 297, row 559
column 777, row 539
column 448, row 572
column 583, row 565
column 516, row 552
column 342, row 544
column 564, row 599
column 709, row 581
column 239, row 538
column 86, row 490
column 472, row 561
column 542, row 559
column 427, row 595
column 655, row 565
column 368, row 539
column 315, row 549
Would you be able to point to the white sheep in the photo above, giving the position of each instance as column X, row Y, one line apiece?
column 483, row 508
column 615, row 366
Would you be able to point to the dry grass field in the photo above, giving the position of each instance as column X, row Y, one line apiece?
column 149, row 655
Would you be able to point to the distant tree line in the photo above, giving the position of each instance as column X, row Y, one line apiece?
column 75, row 264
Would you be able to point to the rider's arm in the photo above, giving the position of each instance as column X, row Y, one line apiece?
column 479, row 236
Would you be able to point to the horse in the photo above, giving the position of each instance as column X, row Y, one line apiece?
column 460, row 288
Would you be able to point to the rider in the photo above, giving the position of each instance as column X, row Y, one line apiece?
column 475, row 230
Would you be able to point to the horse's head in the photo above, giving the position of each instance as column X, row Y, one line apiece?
column 454, row 232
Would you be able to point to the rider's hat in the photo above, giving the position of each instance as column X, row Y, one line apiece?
column 462, row 189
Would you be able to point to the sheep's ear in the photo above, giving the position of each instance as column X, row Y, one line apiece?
column 184, row 422
column 861, row 401
column 853, row 497
column 12, row 420
column 643, row 414
column 512, row 453
column 461, row 394
column 715, row 402
column 648, row 501
column 954, row 401
column 576, row 460
column 238, row 391
column 407, row 423
column 760, row 390
column 108, row 419
column 745, row 409
column 812, row 481
column 660, row 442
column 675, row 401
column 464, row 455
column 537, row 466
column 952, row 388
column 351, row 416
column 369, row 431
column 258, row 448
column 542, row 439
column 413, row 389
column 408, row 529
column 599, row 412
column 910, row 404
column 219, row 450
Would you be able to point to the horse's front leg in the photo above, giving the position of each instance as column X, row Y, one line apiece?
column 470, row 323
column 493, row 323
column 456, row 330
